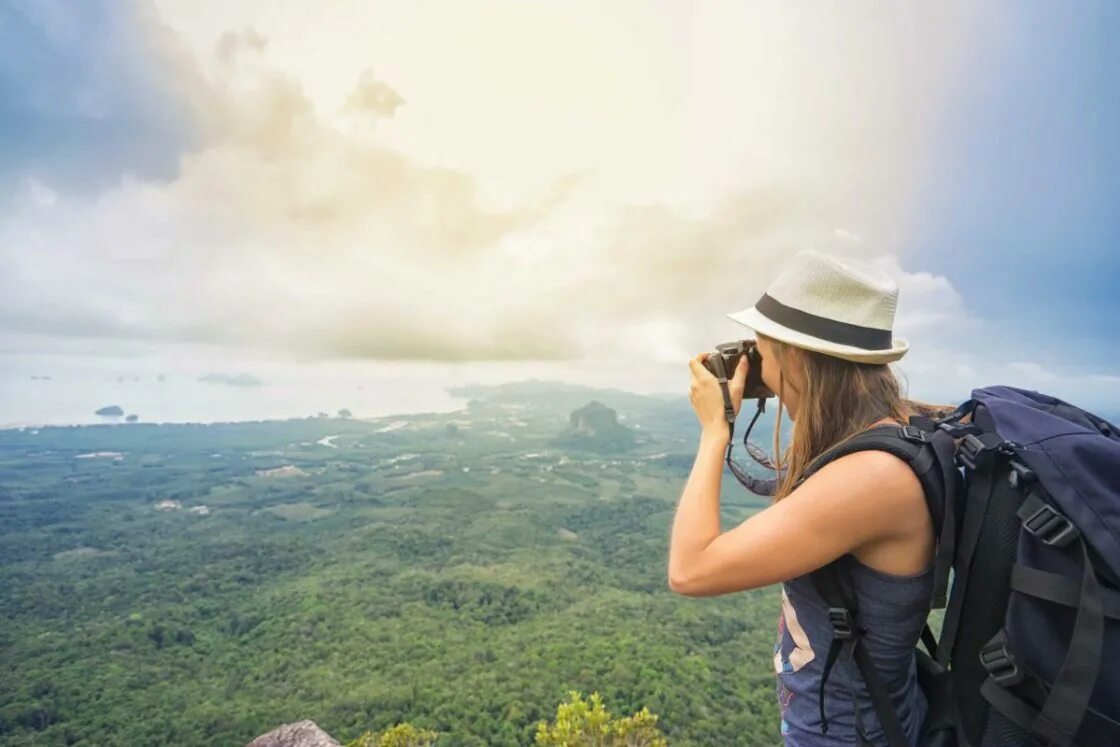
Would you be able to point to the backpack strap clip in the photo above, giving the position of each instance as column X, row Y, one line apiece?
column 1020, row 474
column 913, row 433
column 843, row 625
column 1041, row 520
column 974, row 450
column 999, row 663
column 958, row 430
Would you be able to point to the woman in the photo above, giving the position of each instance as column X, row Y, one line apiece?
column 824, row 333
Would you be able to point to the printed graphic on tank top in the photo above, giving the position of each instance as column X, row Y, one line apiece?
column 792, row 651
column 893, row 609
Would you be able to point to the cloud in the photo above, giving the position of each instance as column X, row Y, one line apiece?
column 374, row 97
column 277, row 224
column 929, row 307
column 1033, row 371
column 41, row 195
column 287, row 231
column 281, row 230
column 847, row 236
column 231, row 43
column 83, row 99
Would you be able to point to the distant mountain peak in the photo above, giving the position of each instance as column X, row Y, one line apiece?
column 596, row 426
column 594, row 418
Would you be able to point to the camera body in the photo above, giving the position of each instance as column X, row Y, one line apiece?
column 726, row 356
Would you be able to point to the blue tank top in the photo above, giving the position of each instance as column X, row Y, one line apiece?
column 892, row 609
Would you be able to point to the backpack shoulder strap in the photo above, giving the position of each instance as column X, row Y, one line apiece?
column 907, row 442
column 929, row 450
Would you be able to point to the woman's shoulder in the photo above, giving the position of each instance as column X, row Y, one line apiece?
column 872, row 465
column 884, row 498
column 874, row 476
column 881, row 465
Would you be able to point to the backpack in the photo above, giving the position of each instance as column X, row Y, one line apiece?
column 1025, row 501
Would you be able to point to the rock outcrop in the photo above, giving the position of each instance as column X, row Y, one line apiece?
column 595, row 426
column 299, row 734
column 594, row 419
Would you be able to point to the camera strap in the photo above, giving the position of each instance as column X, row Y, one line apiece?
column 760, row 486
column 728, row 408
column 756, row 485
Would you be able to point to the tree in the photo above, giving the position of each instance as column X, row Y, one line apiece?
column 401, row 735
column 581, row 724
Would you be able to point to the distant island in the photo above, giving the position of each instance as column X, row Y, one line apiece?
column 242, row 379
column 110, row 410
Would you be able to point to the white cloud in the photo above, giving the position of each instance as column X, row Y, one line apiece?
column 929, row 307
column 289, row 232
column 41, row 195
column 847, row 236
column 565, row 209
column 1032, row 372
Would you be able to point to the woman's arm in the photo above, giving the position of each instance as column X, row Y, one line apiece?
column 697, row 522
column 857, row 499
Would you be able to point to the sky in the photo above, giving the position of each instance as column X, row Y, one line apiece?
column 468, row 191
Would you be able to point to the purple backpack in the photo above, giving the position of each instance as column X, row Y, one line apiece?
column 1025, row 500
column 1031, row 635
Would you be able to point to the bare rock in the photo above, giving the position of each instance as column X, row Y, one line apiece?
column 299, row 734
column 594, row 418
column 595, row 426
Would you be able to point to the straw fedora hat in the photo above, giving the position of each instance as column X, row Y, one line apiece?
column 833, row 305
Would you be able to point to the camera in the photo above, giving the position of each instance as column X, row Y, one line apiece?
column 726, row 356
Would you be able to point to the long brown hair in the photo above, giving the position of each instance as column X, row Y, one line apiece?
column 840, row 399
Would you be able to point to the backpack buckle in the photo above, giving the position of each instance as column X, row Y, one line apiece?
column 972, row 451
column 1020, row 474
column 1050, row 526
column 958, row 430
column 913, row 433
column 1000, row 665
column 843, row 626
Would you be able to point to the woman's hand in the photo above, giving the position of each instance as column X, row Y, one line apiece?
column 706, row 394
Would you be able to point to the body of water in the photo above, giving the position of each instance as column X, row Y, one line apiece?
column 64, row 402
column 72, row 398
column 63, row 390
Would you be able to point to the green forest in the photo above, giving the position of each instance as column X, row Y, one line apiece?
column 196, row 584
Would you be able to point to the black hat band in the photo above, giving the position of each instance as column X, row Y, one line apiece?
column 841, row 333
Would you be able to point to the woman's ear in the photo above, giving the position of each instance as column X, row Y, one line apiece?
column 795, row 357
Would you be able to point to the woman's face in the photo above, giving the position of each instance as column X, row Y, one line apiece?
column 771, row 373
